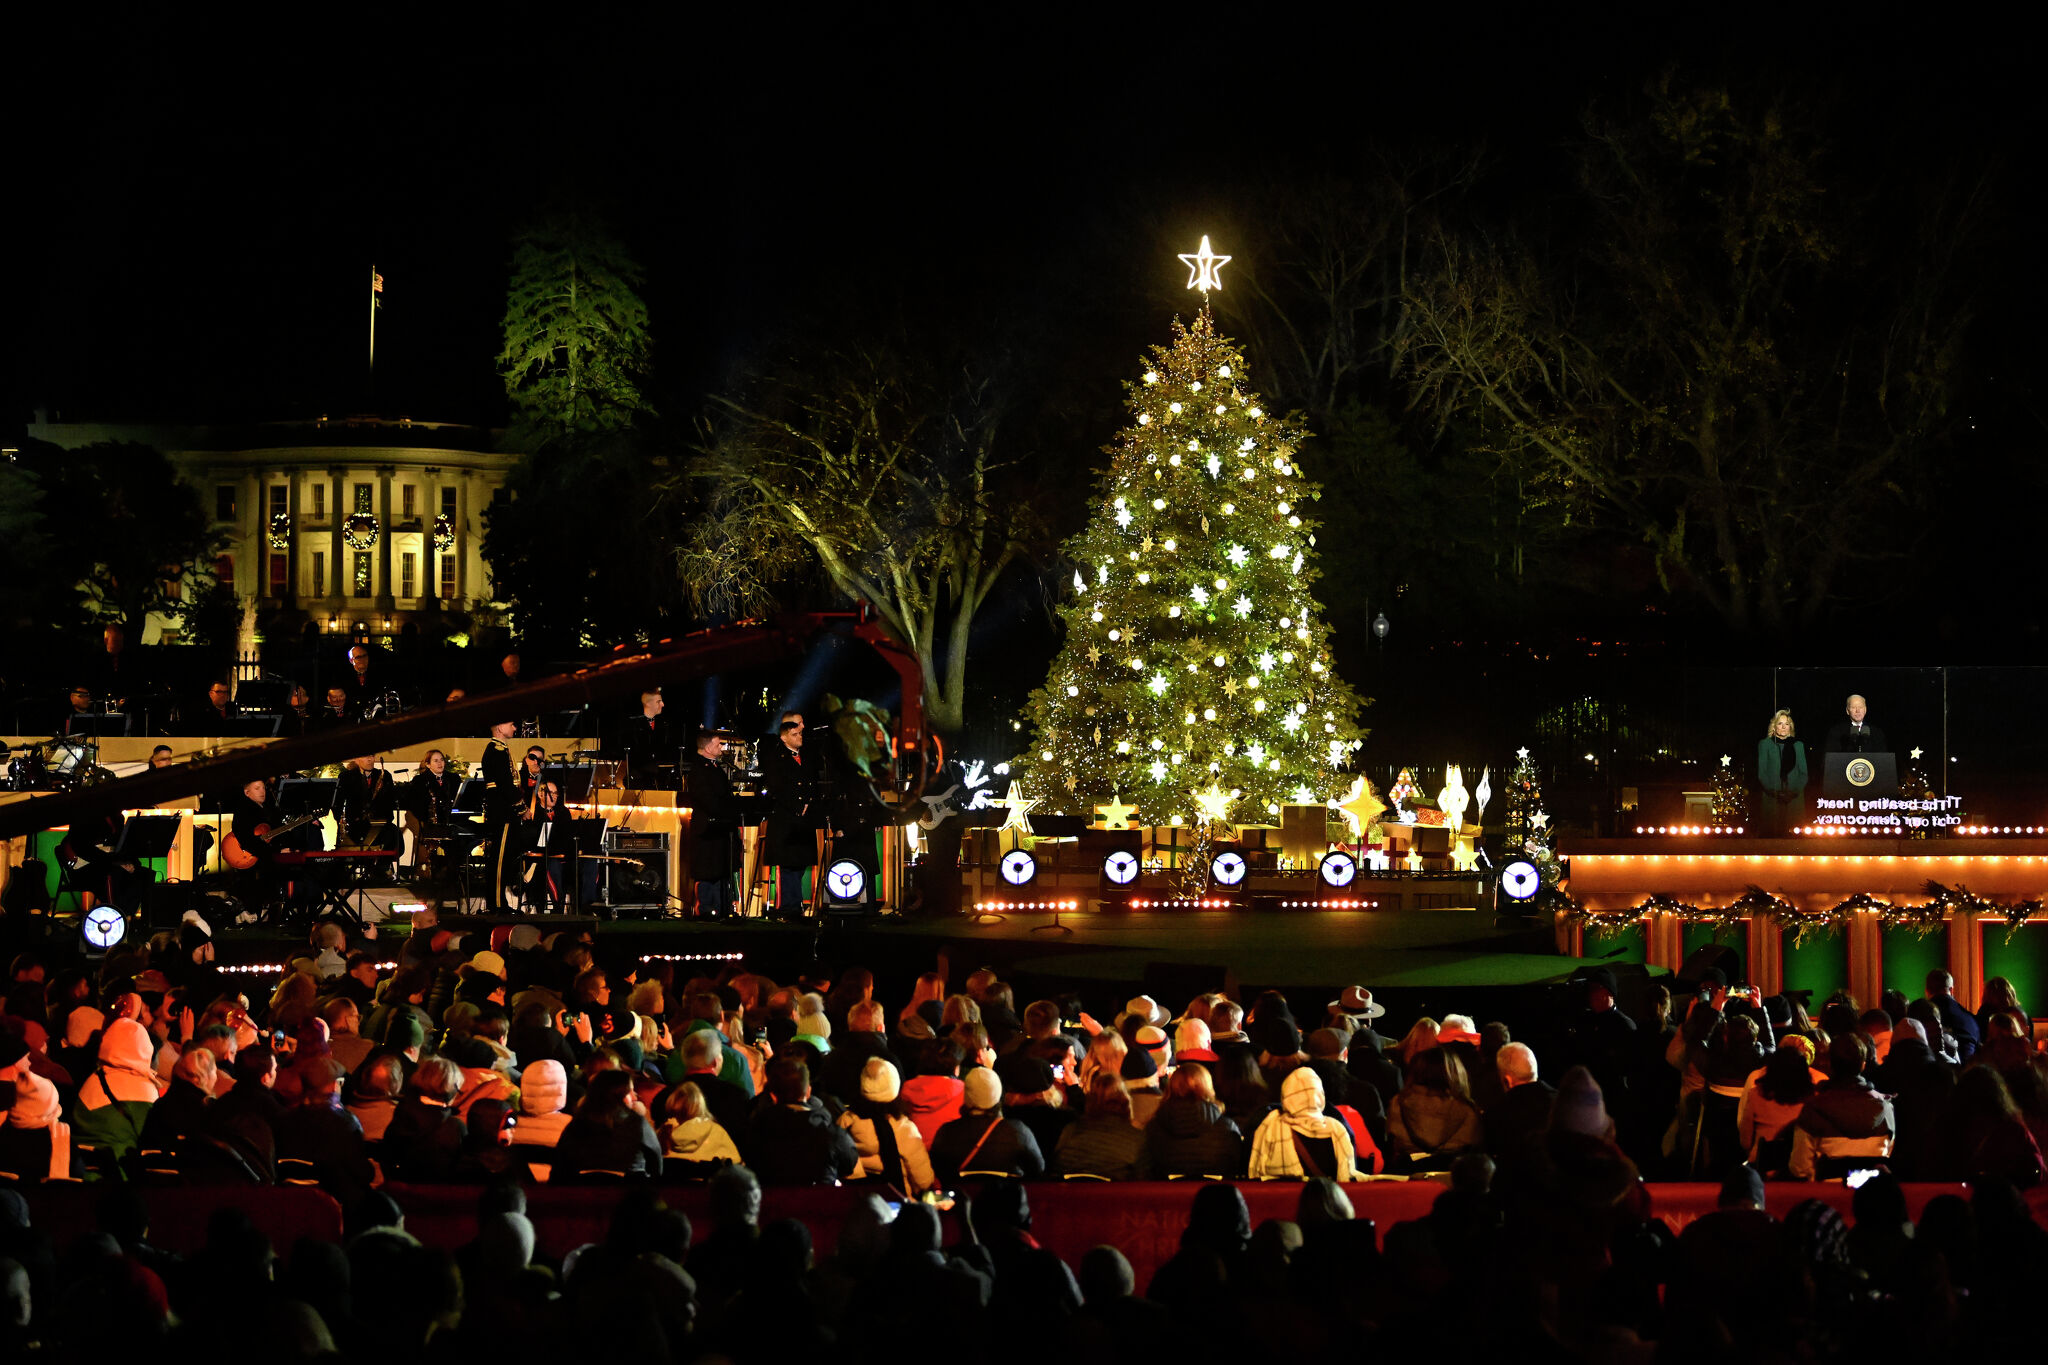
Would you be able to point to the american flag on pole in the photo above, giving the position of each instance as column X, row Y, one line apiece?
column 376, row 283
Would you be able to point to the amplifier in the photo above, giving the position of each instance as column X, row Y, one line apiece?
column 641, row 884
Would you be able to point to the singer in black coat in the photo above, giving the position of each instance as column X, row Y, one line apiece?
column 714, row 818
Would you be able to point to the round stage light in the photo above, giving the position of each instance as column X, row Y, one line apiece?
column 845, row 880
column 1121, row 867
column 1018, row 867
column 104, row 927
column 1520, row 880
column 1227, row 867
column 1337, row 869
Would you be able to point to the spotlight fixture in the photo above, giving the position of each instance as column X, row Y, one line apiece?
column 1520, row 881
column 104, row 928
column 1120, row 868
column 1337, row 869
column 1227, row 868
column 1018, row 867
column 846, row 882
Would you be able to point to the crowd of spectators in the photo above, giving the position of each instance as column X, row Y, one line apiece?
column 521, row 1057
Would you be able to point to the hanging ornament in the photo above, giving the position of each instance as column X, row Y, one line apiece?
column 1454, row 800
column 1485, row 791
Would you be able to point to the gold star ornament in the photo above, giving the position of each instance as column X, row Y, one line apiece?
column 1019, row 810
column 1360, row 807
column 1115, row 815
column 1204, row 267
column 1213, row 804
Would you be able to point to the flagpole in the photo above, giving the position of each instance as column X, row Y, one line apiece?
column 373, row 324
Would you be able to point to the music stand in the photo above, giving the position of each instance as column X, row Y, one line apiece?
column 146, row 836
column 100, row 725
column 573, row 780
column 252, row 725
column 298, row 795
column 469, row 797
column 264, row 698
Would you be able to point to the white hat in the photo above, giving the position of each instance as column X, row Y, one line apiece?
column 879, row 1083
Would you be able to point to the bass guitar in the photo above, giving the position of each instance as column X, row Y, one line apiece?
column 241, row 859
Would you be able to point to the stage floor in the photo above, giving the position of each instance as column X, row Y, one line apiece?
column 1415, row 957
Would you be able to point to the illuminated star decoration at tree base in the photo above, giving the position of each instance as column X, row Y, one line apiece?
column 1360, row 807
column 1213, row 805
column 1020, row 808
column 1116, row 815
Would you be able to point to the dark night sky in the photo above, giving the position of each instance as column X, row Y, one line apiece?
column 200, row 205
column 203, row 204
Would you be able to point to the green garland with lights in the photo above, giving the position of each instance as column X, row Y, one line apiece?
column 1197, row 658
column 1921, row 919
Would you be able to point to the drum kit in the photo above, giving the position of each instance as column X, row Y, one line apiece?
column 61, row 763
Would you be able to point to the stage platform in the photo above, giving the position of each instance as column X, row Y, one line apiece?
column 1417, row 962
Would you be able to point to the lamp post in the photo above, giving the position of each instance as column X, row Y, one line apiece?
column 1380, row 627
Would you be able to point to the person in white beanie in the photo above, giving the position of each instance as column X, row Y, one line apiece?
column 982, row 1139
column 887, row 1141
column 543, row 1104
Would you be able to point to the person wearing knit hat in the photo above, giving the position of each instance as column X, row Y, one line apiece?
column 1153, row 1039
column 1140, row 1075
column 887, row 1142
column 523, row 938
column 1580, row 1107
column 81, row 1025
column 1191, row 1043
column 983, row 1138
column 1275, row 1037
column 543, row 1098
column 1457, row 1028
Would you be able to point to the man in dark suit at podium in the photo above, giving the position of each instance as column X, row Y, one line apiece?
column 1856, row 735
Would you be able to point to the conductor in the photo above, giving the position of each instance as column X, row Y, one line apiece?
column 714, row 820
column 1856, row 735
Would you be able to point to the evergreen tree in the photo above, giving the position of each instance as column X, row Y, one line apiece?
column 1525, row 826
column 1197, row 659
column 1731, row 798
column 576, row 339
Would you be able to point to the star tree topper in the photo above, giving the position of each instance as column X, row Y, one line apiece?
column 1204, row 267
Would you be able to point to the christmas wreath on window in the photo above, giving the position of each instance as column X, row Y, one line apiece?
column 280, row 530
column 359, row 532
column 444, row 533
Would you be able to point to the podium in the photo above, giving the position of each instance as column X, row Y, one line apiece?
column 1850, row 776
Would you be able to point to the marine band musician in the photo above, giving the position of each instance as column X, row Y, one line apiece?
column 365, row 804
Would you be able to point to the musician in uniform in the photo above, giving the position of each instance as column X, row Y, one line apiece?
column 714, row 825
column 646, row 741
column 547, row 850
column 218, row 715
column 790, row 843
column 366, row 802
column 251, row 819
column 526, row 787
column 299, row 718
column 97, row 873
column 83, row 718
column 430, row 796
column 362, row 686
column 500, row 803
column 335, row 714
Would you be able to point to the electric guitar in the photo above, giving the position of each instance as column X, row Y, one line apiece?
column 241, row 859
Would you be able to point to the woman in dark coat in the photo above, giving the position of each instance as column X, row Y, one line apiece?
column 1781, row 776
column 1189, row 1134
column 609, row 1133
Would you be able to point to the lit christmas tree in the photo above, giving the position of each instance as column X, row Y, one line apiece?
column 1731, row 797
column 1195, row 680
column 1525, row 826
